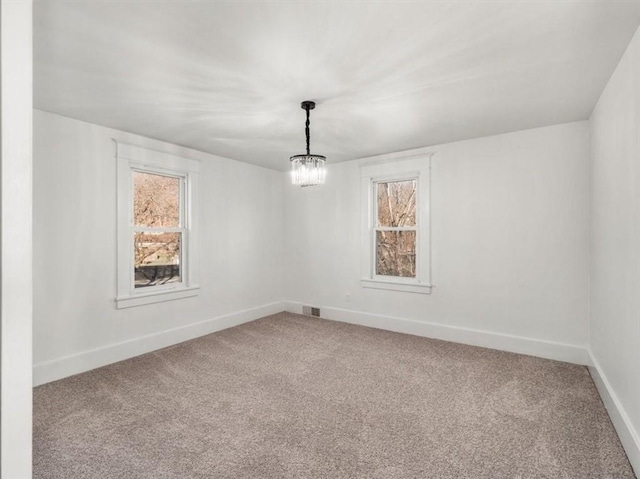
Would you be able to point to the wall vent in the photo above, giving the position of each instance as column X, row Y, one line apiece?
column 311, row 311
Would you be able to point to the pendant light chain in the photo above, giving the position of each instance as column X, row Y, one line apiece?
column 307, row 130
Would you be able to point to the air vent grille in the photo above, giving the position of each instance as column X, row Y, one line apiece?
column 311, row 311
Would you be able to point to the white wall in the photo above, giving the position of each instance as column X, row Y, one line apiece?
column 509, row 247
column 76, row 324
column 15, row 238
column 615, row 247
column 510, row 229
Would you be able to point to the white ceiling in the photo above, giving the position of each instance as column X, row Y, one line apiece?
column 227, row 78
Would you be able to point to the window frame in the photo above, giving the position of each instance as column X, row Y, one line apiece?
column 132, row 159
column 417, row 169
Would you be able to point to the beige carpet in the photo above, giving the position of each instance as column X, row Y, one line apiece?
column 294, row 397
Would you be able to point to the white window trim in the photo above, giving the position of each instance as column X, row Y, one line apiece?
column 370, row 174
column 131, row 158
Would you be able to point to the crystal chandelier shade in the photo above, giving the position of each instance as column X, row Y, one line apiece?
column 308, row 170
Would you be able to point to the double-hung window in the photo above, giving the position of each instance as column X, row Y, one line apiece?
column 156, row 226
column 395, row 226
column 158, row 229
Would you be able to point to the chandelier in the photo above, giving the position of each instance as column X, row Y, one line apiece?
column 308, row 170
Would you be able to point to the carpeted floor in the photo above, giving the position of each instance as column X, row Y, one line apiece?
column 294, row 397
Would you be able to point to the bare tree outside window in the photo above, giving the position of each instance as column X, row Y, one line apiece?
column 396, row 228
column 157, row 236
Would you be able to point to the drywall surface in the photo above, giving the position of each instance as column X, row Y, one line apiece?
column 241, row 222
column 615, row 238
column 509, row 238
column 416, row 73
column 15, row 238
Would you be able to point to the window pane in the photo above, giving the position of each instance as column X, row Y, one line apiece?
column 396, row 253
column 157, row 258
column 397, row 203
column 156, row 200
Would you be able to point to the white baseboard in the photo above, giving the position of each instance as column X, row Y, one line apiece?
column 629, row 437
column 516, row 344
column 63, row 367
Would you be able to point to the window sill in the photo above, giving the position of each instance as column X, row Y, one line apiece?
column 396, row 286
column 141, row 299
